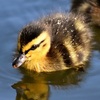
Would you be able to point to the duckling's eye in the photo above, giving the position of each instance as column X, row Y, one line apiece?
column 34, row 47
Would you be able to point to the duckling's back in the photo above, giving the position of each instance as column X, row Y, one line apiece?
column 71, row 38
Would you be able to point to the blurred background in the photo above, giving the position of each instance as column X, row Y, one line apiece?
column 14, row 85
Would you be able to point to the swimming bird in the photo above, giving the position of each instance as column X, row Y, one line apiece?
column 90, row 8
column 56, row 42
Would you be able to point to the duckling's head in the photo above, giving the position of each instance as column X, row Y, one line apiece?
column 33, row 44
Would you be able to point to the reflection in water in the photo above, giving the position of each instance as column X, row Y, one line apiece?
column 31, row 91
column 35, row 86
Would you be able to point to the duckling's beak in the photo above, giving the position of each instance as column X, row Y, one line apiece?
column 18, row 61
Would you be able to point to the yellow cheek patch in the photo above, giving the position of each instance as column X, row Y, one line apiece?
column 33, row 56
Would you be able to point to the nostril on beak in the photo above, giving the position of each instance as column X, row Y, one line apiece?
column 19, row 60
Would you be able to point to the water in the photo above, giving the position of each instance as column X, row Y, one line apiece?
column 64, row 85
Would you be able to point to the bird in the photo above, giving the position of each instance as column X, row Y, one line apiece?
column 90, row 8
column 58, row 41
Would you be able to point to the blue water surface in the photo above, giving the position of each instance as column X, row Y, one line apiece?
column 14, row 14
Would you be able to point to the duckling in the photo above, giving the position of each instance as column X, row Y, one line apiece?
column 90, row 8
column 57, row 42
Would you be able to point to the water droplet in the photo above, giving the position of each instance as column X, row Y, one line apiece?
column 72, row 30
column 58, row 22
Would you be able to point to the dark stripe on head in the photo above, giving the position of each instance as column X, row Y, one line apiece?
column 29, row 33
column 34, row 47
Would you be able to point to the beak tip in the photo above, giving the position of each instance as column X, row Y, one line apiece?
column 19, row 61
column 14, row 66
